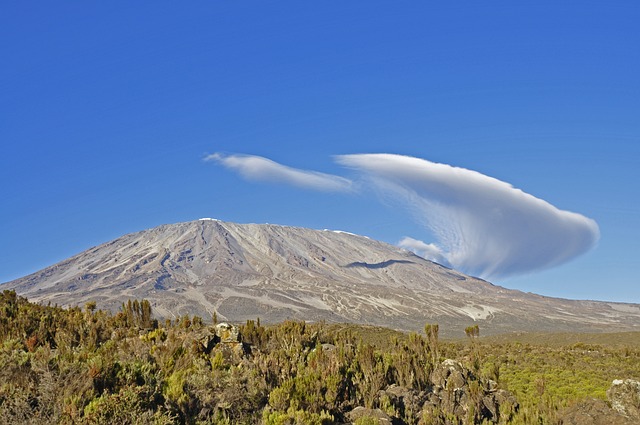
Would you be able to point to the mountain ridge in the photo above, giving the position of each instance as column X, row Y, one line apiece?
column 245, row 271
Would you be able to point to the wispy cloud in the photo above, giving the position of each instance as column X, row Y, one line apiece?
column 430, row 251
column 258, row 168
column 484, row 226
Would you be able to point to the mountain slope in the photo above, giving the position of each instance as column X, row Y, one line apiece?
column 244, row 271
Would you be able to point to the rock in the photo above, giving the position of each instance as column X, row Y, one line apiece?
column 450, row 375
column 458, row 392
column 450, row 380
column 405, row 401
column 207, row 341
column 328, row 347
column 625, row 397
column 227, row 333
column 363, row 412
column 593, row 412
column 228, row 342
column 499, row 402
column 232, row 352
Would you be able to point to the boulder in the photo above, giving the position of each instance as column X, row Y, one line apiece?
column 405, row 401
column 228, row 342
column 363, row 412
column 593, row 412
column 450, row 375
column 227, row 333
column 457, row 392
column 624, row 396
column 623, row 407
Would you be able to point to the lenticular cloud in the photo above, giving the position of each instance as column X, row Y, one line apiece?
column 259, row 168
column 484, row 226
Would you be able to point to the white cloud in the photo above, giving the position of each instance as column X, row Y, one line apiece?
column 484, row 226
column 429, row 251
column 262, row 169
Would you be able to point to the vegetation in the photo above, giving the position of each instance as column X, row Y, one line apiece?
column 87, row 366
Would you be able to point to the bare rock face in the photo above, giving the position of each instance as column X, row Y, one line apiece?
column 246, row 271
column 624, row 396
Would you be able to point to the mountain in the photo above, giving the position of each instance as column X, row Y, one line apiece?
column 246, row 271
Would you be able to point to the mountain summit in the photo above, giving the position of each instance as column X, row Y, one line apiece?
column 245, row 271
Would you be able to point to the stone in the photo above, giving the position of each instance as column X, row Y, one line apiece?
column 449, row 375
column 624, row 396
column 624, row 408
column 593, row 412
column 227, row 333
column 457, row 391
column 363, row 412
column 405, row 401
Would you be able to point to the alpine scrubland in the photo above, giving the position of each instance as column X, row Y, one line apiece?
column 83, row 365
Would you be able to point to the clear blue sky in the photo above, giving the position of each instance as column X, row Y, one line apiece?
column 107, row 110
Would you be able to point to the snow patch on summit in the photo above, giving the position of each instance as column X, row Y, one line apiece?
column 342, row 232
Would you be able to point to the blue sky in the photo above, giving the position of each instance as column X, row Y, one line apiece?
column 107, row 112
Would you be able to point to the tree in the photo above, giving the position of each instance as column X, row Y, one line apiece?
column 431, row 330
column 90, row 306
column 472, row 332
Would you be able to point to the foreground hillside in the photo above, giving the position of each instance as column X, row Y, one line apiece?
column 90, row 366
column 277, row 273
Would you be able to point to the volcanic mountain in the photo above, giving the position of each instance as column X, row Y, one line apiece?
column 248, row 271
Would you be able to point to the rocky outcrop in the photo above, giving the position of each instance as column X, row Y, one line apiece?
column 623, row 407
column 457, row 391
column 228, row 342
column 593, row 412
column 404, row 401
column 227, row 333
column 624, row 396
column 454, row 395
column 225, row 339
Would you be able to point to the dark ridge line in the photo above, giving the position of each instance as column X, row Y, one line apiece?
column 381, row 265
